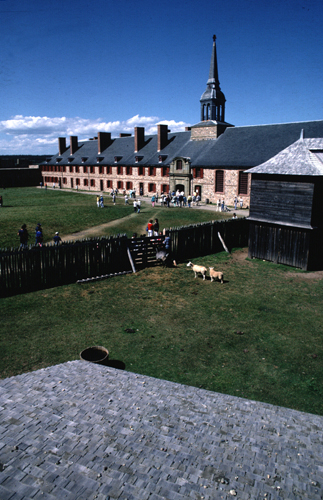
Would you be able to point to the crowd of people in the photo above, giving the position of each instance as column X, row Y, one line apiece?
column 177, row 199
column 174, row 198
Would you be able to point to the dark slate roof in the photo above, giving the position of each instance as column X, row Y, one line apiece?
column 250, row 146
column 237, row 147
column 123, row 148
column 304, row 157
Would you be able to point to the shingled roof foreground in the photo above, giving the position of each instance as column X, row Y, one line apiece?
column 304, row 157
column 80, row 431
column 237, row 147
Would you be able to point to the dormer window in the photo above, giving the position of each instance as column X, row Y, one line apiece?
column 179, row 164
column 58, row 160
column 70, row 159
column 138, row 159
column 161, row 158
column 99, row 158
column 117, row 158
column 84, row 158
column 48, row 160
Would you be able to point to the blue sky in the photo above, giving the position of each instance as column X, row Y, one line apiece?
column 79, row 67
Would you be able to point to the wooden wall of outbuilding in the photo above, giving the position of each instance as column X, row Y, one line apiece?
column 285, row 222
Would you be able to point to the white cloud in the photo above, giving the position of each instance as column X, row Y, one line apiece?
column 38, row 134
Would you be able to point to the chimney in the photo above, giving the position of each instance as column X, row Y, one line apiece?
column 104, row 141
column 73, row 144
column 162, row 137
column 61, row 145
column 139, row 138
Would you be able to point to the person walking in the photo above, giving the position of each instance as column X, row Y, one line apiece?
column 150, row 228
column 39, row 236
column 156, row 227
column 241, row 201
column 57, row 239
column 138, row 206
column 135, row 206
column 153, row 199
column 235, row 202
column 23, row 235
column 98, row 201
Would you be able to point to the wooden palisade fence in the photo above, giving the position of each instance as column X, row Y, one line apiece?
column 49, row 266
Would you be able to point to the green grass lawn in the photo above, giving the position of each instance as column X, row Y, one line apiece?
column 258, row 336
column 70, row 212
column 186, row 330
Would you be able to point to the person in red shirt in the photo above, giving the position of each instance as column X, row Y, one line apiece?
column 150, row 227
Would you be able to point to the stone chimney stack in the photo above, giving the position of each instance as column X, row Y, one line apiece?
column 73, row 144
column 61, row 145
column 139, row 138
column 104, row 141
column 162, row 136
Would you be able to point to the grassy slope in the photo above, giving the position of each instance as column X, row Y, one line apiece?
column 186, row 329
column 69, row 212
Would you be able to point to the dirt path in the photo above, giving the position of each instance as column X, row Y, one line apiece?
column 94, row 231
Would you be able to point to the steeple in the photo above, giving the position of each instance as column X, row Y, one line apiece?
column 213, row 100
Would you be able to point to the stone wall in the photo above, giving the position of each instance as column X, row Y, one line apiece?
column 93, row 180
column 150, row 184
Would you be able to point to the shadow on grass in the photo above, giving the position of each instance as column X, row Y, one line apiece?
column 115, row 363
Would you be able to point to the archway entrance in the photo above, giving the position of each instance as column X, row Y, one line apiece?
column 180, row 187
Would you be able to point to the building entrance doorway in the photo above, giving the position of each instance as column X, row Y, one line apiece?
column 180, row 187
column 141, row 188
column 72, row 185
column 198, row 191
column 101, row 185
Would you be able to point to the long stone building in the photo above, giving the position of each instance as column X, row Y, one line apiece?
column 210, row 158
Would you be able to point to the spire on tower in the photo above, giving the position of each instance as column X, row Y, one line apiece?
column 213, row 100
